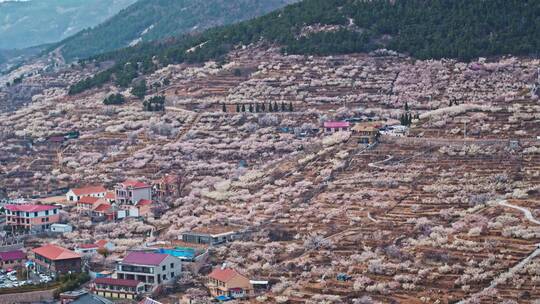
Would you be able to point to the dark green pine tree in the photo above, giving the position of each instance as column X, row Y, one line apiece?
column 237, row 108
column 263, row 107
column 270, row 107
column 406, row 107
column 276, row 108
column 290, row 106
column 251, row 107
column 224, row 108
column 283, row 106
column 243, row 107
column 257, row 109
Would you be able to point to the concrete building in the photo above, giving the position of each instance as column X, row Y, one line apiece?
column 212, row 235
column 131, row 192
column 152, row 269
column 336, row 126
column 55, row 259
column 74, row 195
column 12, row 259
column 118, row 288
column 61, row 228
column 227, row 282
column 31, row 217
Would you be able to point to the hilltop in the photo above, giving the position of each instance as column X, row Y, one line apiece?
column 150, row 20
column 423, row 29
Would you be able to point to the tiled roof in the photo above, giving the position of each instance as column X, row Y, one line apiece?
column 53, row 252
column 223, row 275
column 88, row 246
column 89, row 200
column 102, row 208
column 12, row 255
column 149, row 301
column 110, row 195
column 102, row 243
column 143, row 202
column 89, row 190
column 135, row 184
column 30, row 208
column 117, row 282
column 144, row 258
column 336, row 124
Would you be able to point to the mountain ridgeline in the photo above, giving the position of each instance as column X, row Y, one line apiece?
column 148, row 20
column 25, row 24
column 461, row 29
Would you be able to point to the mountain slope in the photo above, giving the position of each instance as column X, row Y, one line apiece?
column 460, row 29
column 29, row 23
column 149, row 20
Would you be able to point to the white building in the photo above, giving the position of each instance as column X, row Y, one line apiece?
column 61, row 228
column 131, row 192
column 152, row 269
column 74, row 195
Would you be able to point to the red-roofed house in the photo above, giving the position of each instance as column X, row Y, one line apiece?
column 167, row 186
column 31, row 217
column 105, row 245
column 105, row 210
column 153, row 269
column 229, row 282
column 145, row 207
column 86, row 203
column 336, row 126
column 74, row 195
column 55, row 259
column 12, row 259
column 132, row 191
column 117, row 288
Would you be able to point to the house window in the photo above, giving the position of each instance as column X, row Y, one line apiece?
column 163, row 267
column 172, row 274
column 35, row 214
column 172, row 265
column 47, row 212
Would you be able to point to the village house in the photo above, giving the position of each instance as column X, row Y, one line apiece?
column 31, row 217
column 212, row 235
column 105, row 211
column 55, row 259
column 366, row 134
column 144, row 207
column 336, row 126
column 86, row 203
column 12, row 259
column 167, row 186
column 117, row 288
column 104, row 244
column 61, row 228
column 86, row 249
column 131, row 192
column 74, row 195
column 226, row 282
column 153, row 269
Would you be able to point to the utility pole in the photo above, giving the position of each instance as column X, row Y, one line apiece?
column 465, row 129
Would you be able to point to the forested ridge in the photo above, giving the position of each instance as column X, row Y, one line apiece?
column 149, row 20
column 461, row 29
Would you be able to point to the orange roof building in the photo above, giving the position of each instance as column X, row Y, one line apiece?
column 55, row 259
column 229, row 282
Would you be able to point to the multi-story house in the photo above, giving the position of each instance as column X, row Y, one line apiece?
column 152, row 269
column 12, row 259
column 167, row 186
column 118, row 288
column 131, row 192
column 55, row 259
column 227, row 282
column 31, row 217
column 74, row 195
